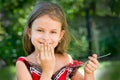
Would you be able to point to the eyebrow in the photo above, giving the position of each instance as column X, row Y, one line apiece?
column 43, row 28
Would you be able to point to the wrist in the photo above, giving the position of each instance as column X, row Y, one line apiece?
column 89, row 76
column 46, row 76
column 88, row 72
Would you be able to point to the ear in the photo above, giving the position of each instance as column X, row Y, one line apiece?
column 61, row 34
column 29, row 32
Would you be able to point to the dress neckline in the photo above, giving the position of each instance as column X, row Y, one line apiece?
column 73, row 65
column 39, row 68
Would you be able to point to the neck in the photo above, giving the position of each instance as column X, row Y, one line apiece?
column 32, row 58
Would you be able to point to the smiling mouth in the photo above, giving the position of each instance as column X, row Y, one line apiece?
column 44, row 43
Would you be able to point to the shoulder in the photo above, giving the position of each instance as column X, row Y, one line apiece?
column 21, row 68
column 64, row 58
column 68, row 57
column 21, row 58
column 20, row 62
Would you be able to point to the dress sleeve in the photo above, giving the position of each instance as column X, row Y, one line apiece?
column 76, row 65
column 73, row 72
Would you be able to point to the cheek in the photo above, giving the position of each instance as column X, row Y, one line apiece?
column 55, row 40
column 34, row 39
column 55, row 44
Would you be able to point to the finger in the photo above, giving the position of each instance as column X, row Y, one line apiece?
column 38, row 59
column 92, row 64
column 94, row 55
column 42, row 51
column 49, row 50
column 52, row 51
column 45, row 50
column 38, row 48
column 94, row 60
column 90, row 67
column 88, row 70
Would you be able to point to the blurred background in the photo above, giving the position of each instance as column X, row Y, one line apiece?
column 94, row 28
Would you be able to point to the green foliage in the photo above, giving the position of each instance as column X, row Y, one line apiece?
column 14, row 14
column 79, row 44
column 115, row 7
column 13, row 20
column 109, row 35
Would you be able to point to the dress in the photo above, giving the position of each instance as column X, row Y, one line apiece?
column 63, row 74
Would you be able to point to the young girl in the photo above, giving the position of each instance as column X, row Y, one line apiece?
column 45, row 41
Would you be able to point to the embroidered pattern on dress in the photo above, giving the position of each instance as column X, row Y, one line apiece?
column 66, row 70
column 32, row 69
column 64, row 73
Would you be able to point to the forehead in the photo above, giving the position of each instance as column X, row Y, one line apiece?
column 46, row 22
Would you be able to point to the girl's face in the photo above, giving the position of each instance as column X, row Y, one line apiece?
column 45, row 30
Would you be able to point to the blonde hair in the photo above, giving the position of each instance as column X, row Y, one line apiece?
column 54, row 12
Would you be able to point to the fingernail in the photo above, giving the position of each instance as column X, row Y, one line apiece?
column 89, row 57
column 95, row 55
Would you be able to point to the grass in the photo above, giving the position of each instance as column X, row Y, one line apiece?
column 8, row 73
column 107, row 71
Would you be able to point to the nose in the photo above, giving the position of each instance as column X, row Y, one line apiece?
column 46, row 37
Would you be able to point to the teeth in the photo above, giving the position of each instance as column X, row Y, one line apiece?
column 44, row 43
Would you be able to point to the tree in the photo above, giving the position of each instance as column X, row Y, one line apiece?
column 14, row 13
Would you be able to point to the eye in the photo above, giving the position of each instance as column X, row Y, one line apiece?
column 53, row 32
column 39, row 30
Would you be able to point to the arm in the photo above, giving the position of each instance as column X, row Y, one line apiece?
column 77, row 75
column 90, row 67
column 22, row 72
